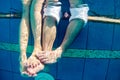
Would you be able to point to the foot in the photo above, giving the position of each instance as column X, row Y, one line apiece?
column 34, row 65
column 23, row 69
column 23, row 66
column 50, row 57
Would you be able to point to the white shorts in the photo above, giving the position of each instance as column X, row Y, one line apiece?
column 53, row 9
column 80, row 12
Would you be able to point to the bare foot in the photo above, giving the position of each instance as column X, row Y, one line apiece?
column 24, row 71
column 36, row 69
column 34, row 65
column 23, row 65
column 50, row 57
column 28, row 69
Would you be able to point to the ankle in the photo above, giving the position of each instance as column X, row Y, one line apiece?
column 59, row 52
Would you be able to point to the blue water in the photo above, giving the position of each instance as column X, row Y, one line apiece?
column 95, row 36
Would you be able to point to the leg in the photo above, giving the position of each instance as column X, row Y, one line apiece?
column 77, row 21
column 49, row 33
column 51, row 18
column 24, row 34
column 36, row 23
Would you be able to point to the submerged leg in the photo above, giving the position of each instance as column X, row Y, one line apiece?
column 51, row 18
column 77, row 20
column 24, row 34
column 36, row 23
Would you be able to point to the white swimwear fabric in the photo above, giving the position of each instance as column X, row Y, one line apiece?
column 53, row 9
column 80, row 12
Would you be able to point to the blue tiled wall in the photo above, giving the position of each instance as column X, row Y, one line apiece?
column 113, row 70
column 4, row 30
column 5, row 6
column 5, row 60
column 95, row 35
column 95, row 69
column 100, row 36
column 70, row 69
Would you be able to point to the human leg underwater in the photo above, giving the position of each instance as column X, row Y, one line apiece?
column 78, row 20
column 36, row 23
column 52, row 16
column 31, row 11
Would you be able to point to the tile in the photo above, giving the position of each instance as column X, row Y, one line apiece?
column 100, row 36
column 14, row 30
column 97, row 8
column 15, row 62
column 5, row 6
column 114, row 70
column 116, row 38
column 95, row 69
column 117, row 9
column 16, row 6
column 70, row 69
column 5, row 75
column 19, row 77
column 5, row 60
column 4, row 30
column 52, row 69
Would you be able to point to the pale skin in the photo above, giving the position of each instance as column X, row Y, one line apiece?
column 44, row 54
column 30, row 66
column 72, row 31
column 35, row 18
column 24, row 33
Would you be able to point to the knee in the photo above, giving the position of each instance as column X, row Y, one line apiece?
column 50, row 21
column 78, row 22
